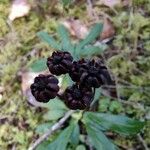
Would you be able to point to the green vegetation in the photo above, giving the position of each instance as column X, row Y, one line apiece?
column 21, row 123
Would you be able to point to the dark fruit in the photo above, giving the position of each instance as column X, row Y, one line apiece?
column 90, row 73
column 44, row 88
column 76, row 97
column 78, row 68
column 60, row 63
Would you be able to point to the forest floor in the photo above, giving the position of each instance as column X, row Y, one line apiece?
column 128, row 57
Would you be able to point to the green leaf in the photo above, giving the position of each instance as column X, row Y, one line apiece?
column 50, row 40
column 115, row 107
column 91, row 51
column 62, row 140
column 39, row 65
column 98, row 139
column 64, row 35
column 66, row 2
column 81, row 147
column 104, row 104
column 42, row 128
column 66, row 81
column 54, row 114
column 43, row 145
column 87, row 120
column 118, row 123
column 75, row 134
column 55, row 104
column 94, row 33
column 96, row 96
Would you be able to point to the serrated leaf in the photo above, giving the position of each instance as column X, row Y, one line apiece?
column 55, row 104
column 64, row 35
column 117, row 123
column 43, row 145
column 98, row 139
column 94, row 33
column 48, row 39
column 42, row 128
column 39, row 65
column 54, row 114
column 91, row 51
column 74, row 138
column 87, row 120
column 62, row 140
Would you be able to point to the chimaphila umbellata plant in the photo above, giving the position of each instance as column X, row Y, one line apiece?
column 87, row 74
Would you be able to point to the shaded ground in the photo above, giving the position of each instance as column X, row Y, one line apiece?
column 128, row 56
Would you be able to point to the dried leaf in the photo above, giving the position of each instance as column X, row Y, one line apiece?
column 76, row 28
column 108, row 29
column 19, row 8
column 27, row 79
column 110, row 3
column 113, row 3
column 80, row 30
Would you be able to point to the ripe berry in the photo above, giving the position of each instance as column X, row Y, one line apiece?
column 78, row 68
column 60, row 63
column 76, row 97
column 90, row 73
column 44, row 88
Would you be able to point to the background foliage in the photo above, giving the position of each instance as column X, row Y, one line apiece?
column 20, row 121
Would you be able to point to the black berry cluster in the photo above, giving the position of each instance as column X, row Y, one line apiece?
column 87, row 75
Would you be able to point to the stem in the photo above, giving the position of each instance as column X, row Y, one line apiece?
column 143, row 142
column 55, row 127
column 92, row 106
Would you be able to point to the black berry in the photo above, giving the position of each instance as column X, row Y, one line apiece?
column 76, row 97
column 60, row 63
column 44, row 88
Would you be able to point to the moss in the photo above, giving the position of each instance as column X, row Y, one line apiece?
column 132, row 31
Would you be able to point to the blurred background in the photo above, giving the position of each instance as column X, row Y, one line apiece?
column 126, row 33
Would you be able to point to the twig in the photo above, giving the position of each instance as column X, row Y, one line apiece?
column 91, row 11
column 127, row 87
column 51, row 130
column 87, row 142
column 143, row 142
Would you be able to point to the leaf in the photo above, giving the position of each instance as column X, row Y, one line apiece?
column 81, row 147
column 62, row 140
column 50, row 40
column 76, row 28
column 64, row 35
column 113, row 3
column 19, row 8
column 43, row 145
column 91, row 51
column 118, row 123
column 39, row 65
column 55, row 104
column 75, row 134
column 66, row 81
column 42, row 128
column 96, row 96
column 54, row 114
column 108, row 29
column 94, row 33
column 98, row 139
column 66, row 2
column 115, row 106
column 104, row 104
